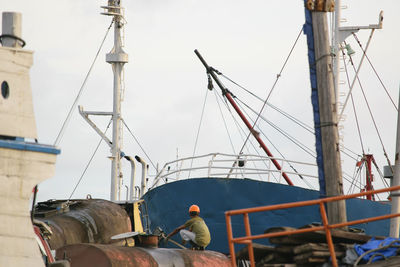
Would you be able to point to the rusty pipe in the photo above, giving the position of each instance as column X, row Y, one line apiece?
column 117, row 256
column 133, row 169
column 82, row 221
column 143, row 183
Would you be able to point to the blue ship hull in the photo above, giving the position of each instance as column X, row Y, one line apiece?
column 168, row 204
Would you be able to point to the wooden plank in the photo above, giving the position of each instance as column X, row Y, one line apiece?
column 260, row 251
column 275, row 258
column 312, row 262
column 338, row 236
column 315, row 256
column 286, row 249
column 352, row 234
column 285, row 240
column 288, row 239
column 277, row 265
column 279, row 229
column 319, row 247
column 295, row 239
column 266, row 259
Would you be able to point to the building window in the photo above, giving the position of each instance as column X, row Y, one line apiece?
column 5, row 90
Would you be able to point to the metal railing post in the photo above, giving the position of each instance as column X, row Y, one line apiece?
column 328, row 234
column 230, row 237
column 326, row 226
column 250, row 243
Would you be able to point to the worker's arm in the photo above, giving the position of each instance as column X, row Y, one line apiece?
column 176, row 230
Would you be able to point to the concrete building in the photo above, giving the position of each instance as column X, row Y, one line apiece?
column 23, row 161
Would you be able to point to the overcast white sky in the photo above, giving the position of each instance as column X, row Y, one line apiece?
column 166, row 84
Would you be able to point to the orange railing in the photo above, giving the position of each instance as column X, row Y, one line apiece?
column 326, row 226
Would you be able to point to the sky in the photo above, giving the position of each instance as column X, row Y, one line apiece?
column 165, row 84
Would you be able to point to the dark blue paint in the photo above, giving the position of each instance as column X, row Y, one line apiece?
column 20, row 145
column 168, row 207
column 308, row 31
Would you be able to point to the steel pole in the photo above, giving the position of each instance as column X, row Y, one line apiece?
column 394, row 222
column 115, row 150
column 117, row 58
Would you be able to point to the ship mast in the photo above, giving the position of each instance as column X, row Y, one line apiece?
column 117, row 58
column 325, row 113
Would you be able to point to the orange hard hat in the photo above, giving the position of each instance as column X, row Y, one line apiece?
column 194, row 208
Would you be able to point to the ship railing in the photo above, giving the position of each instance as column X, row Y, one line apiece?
column 248, row 238
column 233, row 166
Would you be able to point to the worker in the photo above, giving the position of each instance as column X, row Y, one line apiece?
column 198, row 234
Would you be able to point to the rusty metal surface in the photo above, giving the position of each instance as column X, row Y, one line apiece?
column 197, row 258
column 116, row 256
column 86, row 255
column 147, row 240
column 83, row 221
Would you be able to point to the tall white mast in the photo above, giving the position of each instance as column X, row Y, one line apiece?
column 117, row 58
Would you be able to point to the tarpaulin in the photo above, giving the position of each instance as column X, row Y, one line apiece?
column 379, row 248
column 308, row 31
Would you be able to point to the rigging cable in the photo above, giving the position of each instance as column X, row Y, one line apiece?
column 68, row 118
column 223, row 118
column 372, row 117
column 347, row 154
column 380, row 174
column 352, row 101
column 345, row 148
column 291, row 166
column 198, row 131
column 291, row 138
column 295, row 120
column 90, row 161
column 287, row 115
column 273, row 87
column 373, row 68
column 137, row 141
column 243, row 133
column 351, row 180
column 356, row 75
column 240, row 130
column 292, row 118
